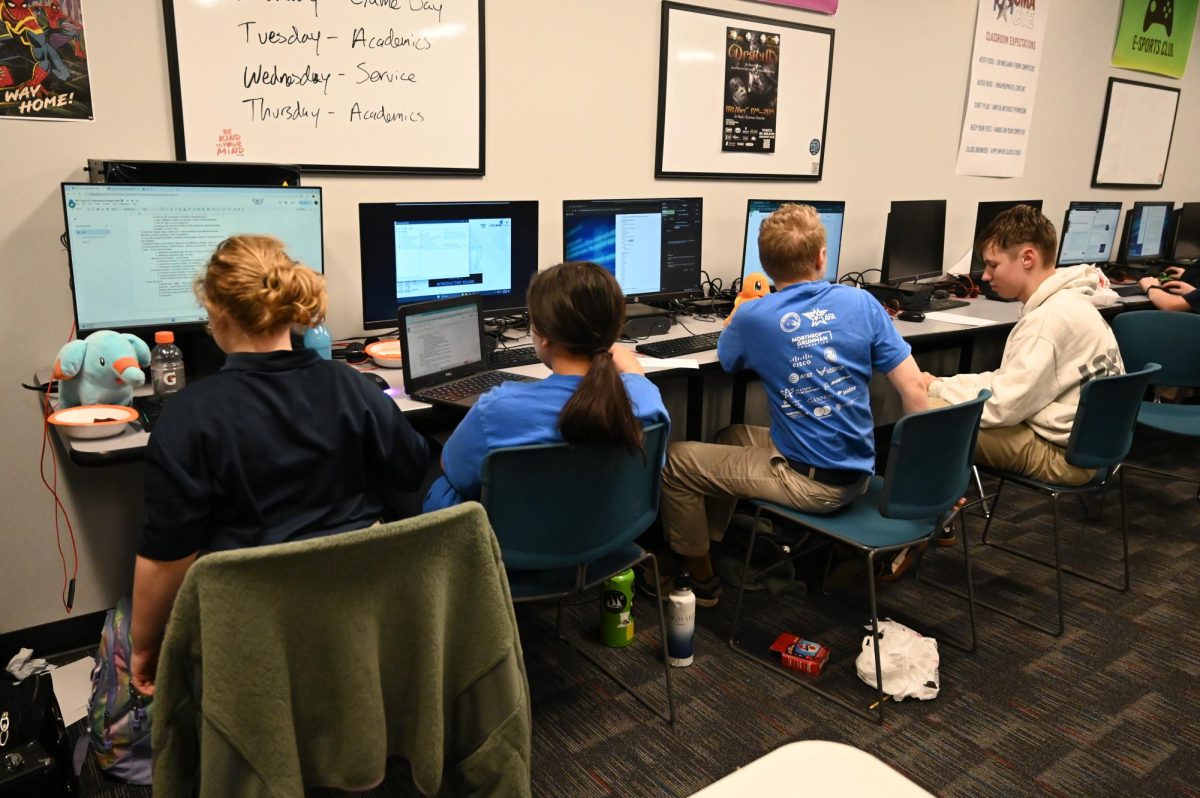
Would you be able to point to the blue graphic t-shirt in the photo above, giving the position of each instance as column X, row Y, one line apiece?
column 814, row 345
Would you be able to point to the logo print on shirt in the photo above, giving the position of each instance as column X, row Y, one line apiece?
column 793, row 378
column 790, row 322
column 800, row 361
column 830, row 354
column 819, row 316
column 821, row 412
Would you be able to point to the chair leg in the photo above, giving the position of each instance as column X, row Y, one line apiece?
column 987, row 511
column 990, row 515
column 970, row 582
column 1124, row 529
column 875, row 634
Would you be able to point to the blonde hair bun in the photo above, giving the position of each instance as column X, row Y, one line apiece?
column 252, row 279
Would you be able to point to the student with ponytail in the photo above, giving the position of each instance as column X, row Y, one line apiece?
column 279, row 445
column 598, row 392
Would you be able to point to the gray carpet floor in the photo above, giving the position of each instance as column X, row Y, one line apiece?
column 1109, row 708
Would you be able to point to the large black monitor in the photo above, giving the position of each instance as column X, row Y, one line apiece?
column 1187, row 232
column 914, row 241
column 832, row 215
column 987, row 212
column 135, row 249
column 1145, row 234
column 652, row 246
column 416, row 252
column 1089, row 232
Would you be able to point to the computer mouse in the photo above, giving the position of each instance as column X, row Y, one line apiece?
column 378, row 381
column 355, row 352
column 910, row 315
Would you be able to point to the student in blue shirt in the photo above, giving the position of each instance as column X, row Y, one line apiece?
column 598, row 391
column 814, row 345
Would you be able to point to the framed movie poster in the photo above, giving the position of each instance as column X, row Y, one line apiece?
column 741, row 97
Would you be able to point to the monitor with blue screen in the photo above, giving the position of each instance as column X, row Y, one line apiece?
column 652, row 246
column 832, row 215
column 1145, row 236
column 135, row 249
column 1089, row 232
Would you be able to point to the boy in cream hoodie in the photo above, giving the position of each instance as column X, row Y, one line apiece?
column 1060, row 342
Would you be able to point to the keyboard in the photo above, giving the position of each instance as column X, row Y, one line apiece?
column 1133, row 289
column 677, row 347
column 476, row 384
column 511, row 358
column 149, row 409
column 935, row 304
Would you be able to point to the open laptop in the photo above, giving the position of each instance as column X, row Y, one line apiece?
column 442, row 352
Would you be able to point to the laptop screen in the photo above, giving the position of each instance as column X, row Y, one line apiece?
column 442, row 338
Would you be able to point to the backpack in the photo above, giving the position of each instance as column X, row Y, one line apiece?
column 118, row 718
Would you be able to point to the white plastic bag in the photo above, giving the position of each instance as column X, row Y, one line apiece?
column 908, row 661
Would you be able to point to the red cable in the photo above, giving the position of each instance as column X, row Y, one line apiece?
column 68, row 588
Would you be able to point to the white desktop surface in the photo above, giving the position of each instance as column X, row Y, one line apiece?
column 815, row 767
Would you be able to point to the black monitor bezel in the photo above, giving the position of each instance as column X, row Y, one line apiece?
column 976, row 261
column 885, row 275
column 1178, row 218
column 1127, row 226
column 651, row 296
column 179, row 325
column 413, row 384
column 814, row 204
column 494, row 305
column 1062, row 235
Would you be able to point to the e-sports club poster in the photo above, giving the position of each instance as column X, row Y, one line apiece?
column 43, row 60
column 751, row 90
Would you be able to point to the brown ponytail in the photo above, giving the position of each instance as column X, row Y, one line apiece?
column 252, row 279
column 581, row 307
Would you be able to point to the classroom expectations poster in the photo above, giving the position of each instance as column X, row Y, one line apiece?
column 43, row 61
column 1155, row 36
column 1009, row 38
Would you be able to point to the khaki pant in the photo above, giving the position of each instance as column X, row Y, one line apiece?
column 703, row 481
column 1021, row 450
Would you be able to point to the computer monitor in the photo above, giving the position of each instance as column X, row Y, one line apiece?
column 1187, row 232
column 1089, row 232
column 914, row 241
column 987, row 212
column 135, row 248
column 416, row 252
column 652, row 246
column 1145, row 235
column 832, row 215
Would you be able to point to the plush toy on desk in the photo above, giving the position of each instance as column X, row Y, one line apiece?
column 102, row 369
column 754, row 286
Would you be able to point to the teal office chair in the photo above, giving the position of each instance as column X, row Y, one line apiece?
column 567, row 516
column 1100, row 439
column 928, row 469
column 1173, row 340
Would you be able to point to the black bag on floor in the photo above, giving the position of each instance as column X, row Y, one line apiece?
column 35, row 753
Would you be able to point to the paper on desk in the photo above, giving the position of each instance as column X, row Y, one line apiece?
column 73, row 688
column 656, row 364
column 955, row 318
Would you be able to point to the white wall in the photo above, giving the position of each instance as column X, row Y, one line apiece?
column 571, row 118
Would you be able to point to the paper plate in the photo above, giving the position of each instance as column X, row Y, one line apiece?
column 386, row 354
column 93, row 421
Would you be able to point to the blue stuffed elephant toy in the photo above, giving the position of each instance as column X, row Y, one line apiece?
column 102, row 369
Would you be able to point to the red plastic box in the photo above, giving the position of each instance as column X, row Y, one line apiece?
column 800, row 655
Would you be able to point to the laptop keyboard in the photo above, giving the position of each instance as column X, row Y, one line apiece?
column 469, row 386
column 677, row 347
column 511, row 358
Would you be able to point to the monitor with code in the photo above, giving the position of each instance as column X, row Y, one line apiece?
column 832, row 215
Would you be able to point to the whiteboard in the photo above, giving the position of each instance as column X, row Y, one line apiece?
column 333, row 85
column 1135, row 136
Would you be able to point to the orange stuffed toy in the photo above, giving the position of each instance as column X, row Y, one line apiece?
column 754, row 285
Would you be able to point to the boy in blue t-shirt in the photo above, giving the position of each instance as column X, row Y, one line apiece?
column 814, row 345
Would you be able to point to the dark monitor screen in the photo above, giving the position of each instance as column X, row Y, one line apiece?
column 1089, row 232
column 416, row 252
column 652, row 246
column 832, row 215
column 987, row 212
column 914, row 241
column 136, row 248
column 1145, row 234
column 1187, row 232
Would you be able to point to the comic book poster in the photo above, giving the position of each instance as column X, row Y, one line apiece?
column 43, row 60
column 751, row 90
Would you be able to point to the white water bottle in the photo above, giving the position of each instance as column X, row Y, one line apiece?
column 166, row 365
column 681, row 623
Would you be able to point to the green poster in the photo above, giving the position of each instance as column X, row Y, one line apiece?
column 1155, row 36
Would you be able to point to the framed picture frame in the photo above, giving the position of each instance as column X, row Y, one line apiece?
column 1135, row 134
column 741, row 97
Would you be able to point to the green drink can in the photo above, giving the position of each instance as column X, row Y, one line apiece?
column 616, row 611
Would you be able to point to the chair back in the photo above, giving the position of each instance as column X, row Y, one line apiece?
column 556, row 505
column 929, row 463
column 1168, row 338
column 1108, row 409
